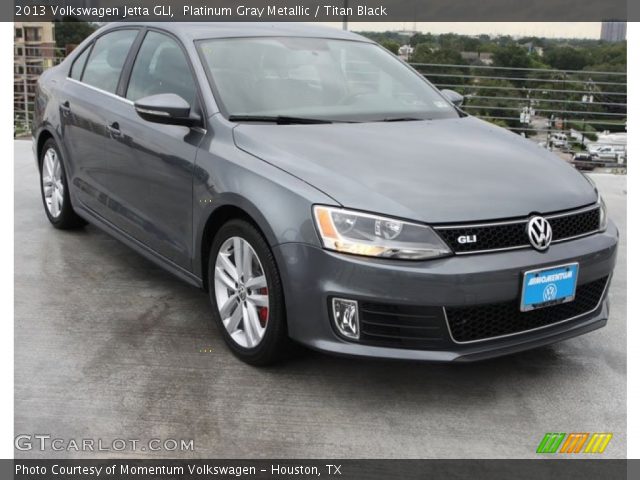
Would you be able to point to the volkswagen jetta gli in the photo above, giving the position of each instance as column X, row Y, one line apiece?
column 321, row 190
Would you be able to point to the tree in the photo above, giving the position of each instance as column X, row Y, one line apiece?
column 424, row 54
column 471, row 44
column 566, row 58
column 419, row 38
column 444, row 56
column 390, row 45
column 71, row 31
column 511, row 56
column 611, row 53
column 451, row 41
column 489, row 102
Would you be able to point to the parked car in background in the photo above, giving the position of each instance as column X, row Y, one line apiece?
column 585, row 161
column 559, row 140
column 582, row 156
column 607, row 152
column 368, row 218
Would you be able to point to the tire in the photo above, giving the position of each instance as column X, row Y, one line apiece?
column 57, row 206
column 274, row 344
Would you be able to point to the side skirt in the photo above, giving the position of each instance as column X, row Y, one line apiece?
column 139, row 247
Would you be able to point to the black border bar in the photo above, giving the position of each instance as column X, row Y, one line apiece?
column 326, row 10
column 544, row 468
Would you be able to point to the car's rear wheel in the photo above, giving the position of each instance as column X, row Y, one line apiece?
column 246, row 294
column 54, row 189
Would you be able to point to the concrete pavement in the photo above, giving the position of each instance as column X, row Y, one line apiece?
column 108, row 346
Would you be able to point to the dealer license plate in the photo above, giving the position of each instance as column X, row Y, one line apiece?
column 549, row 286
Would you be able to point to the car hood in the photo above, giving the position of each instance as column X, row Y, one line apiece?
column 435, row 171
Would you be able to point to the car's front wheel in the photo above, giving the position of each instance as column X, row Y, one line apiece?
column 246, row 294
column 54, row 189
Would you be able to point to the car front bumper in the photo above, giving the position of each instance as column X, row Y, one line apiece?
column 311, row 276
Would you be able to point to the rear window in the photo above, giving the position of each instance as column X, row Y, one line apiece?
column 78, row 64
column 107, row 59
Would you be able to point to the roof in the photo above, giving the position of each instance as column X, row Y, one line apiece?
column 205, row 30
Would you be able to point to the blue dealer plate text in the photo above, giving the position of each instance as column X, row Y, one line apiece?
column 549, row 286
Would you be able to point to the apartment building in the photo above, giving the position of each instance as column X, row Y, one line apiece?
column 34, row 51
column 613, row 31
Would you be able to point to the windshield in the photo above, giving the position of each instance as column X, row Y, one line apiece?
column 317, row 78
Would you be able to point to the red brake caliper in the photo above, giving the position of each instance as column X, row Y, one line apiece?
column 263, row 312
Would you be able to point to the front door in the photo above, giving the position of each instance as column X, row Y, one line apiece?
column 152, row 165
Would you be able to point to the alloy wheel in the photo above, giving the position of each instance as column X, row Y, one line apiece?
column 241, row 292
column 52, row 185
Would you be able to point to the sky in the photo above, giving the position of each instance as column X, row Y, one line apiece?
column 523, row 29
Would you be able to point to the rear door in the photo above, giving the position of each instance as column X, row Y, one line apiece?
column 151, row 165
column 88, row 94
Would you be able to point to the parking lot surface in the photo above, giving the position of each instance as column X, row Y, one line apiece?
column 109, row 346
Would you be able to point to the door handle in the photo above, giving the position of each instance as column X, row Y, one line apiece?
column 114, row 129
column 65, row 107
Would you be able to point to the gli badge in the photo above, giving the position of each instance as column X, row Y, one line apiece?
column 467, row 239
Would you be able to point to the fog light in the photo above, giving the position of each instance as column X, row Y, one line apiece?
column 345, row 316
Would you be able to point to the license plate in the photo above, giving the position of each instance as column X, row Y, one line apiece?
column 549, row 286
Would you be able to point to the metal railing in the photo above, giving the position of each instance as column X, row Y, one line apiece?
column 29, row 62
column 587, row 107
column 542, row 104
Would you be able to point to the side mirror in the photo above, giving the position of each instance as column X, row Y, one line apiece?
column 166, row 108
column 453, row 97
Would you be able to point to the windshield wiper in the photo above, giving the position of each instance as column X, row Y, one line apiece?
column 279, row 119
column 401, row 119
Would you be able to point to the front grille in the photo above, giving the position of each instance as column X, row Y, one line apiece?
column 500, row 236
column 469, row 324
column 574, row 225
column 403, row 326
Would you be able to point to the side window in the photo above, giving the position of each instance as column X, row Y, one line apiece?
column 78, row 64
column 161, row 67
column 107, row 58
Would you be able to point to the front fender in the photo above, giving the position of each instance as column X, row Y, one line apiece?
column 279, row 203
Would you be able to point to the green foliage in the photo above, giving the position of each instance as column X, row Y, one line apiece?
column 485, row 97
column 559, row 84
column 444, row 56
column 422, row 38
column 589, row 131
column 567, row 58
column 424, row 54
column 512, row 56
column 391, row 45
column 609, row 53
column 71, row 31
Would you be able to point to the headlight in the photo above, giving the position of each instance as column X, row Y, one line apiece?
column 601, row 204
column 359, row 233
column 603, row 213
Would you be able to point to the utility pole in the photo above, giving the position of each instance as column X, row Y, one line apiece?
column 345, row 17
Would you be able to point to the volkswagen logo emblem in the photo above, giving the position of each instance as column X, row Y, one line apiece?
column 550, row 292
column 539, row 232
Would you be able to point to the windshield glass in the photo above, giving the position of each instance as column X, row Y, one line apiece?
column 317, row 78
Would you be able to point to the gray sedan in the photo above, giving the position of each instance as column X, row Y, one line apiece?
column 322, row 192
